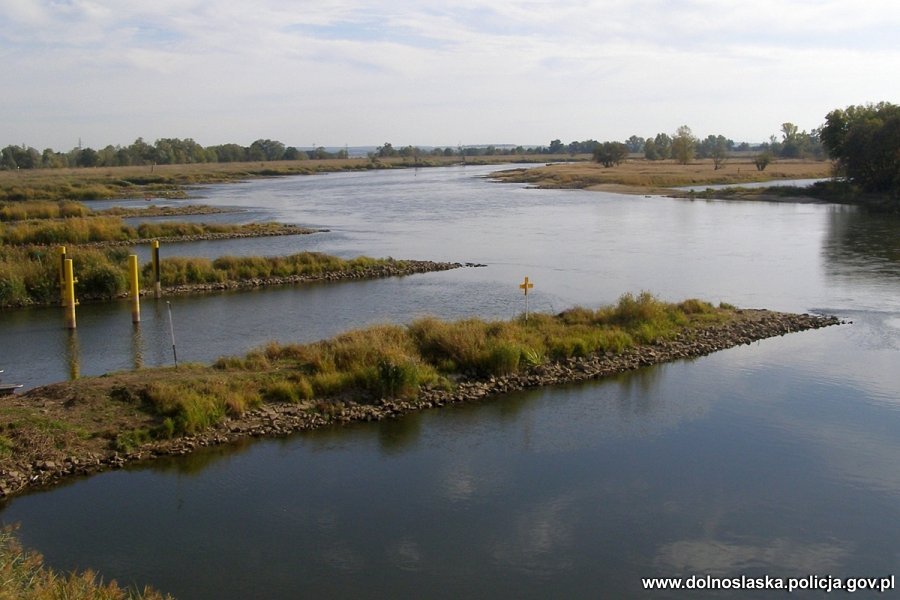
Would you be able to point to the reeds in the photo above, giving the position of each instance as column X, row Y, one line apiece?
column 22, row 211
column 23, row 576
column 29, row 275
column 100, row 229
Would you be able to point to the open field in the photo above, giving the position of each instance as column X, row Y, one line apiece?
column 644, row 176
column 169, row 181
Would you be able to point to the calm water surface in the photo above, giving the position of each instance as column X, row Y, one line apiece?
column 778, row 458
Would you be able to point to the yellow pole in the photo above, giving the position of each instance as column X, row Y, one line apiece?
column 62, row 275
column 70, row 295
column 135, row 289
column 74, row 366
column 157, row 287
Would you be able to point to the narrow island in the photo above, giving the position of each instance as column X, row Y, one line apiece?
column 81, row 427
column 98, row 242
column 659, row 177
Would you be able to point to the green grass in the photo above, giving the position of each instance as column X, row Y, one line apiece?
column 23, row 576
column 84, row 230
column 23, row 211
column 399, row 361
column 186, row 271
column 29, row 275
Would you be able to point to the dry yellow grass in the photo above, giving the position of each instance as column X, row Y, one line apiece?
column 169, row 180
column 644, row 176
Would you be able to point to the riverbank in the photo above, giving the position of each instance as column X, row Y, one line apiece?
column 639, row 176
column 103, row 273
column 64, row 430
column 387, row 267
column 821, row 192
column 174, row 181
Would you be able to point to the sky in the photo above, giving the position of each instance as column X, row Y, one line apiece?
column 434, row 72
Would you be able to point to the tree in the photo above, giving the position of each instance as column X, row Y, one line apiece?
column 20, row 157
column 791, row 141
column 266, row 150
column 762, row 160
column 683, row 145
column 386, row 150
column 141, row 152
column 635, row 143
column 715, row 147
column 658, row 148
column 865, row 143
column 557, row 147
column 610, row 153
column 87, row 158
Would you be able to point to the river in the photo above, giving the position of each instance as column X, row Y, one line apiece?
column 781, row 458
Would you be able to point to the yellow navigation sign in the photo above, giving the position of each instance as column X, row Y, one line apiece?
column 526, row 285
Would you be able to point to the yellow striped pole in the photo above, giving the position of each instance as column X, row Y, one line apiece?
column 62, row 275
column 157, row 287
column 70, row 302
column 135, row 289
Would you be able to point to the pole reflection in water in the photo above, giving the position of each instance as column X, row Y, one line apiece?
column 73, row 354
column 137, row 346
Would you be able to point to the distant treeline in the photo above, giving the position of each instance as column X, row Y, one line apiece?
column 165, row 151
column 170, row 151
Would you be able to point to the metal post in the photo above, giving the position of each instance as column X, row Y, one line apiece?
column 526, row 285
column 62, row 275
column 70, row 294
column 157, row 287
column 172, row 330
column 135, row 288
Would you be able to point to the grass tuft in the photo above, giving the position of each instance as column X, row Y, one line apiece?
column 23, row 576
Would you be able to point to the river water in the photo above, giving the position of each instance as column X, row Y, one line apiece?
column 781, row 458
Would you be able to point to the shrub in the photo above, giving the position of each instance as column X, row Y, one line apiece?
column 191, row 408
column 12, row 290
column 502, row 359
column 396, row 379
column 692, row 306
column 102, row 281
column 281, row 391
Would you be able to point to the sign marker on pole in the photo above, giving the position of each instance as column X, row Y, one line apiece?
column 526, row 285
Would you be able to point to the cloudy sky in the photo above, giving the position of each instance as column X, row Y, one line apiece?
column 434, row 72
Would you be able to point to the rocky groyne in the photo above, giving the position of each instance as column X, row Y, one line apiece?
column 390, row 269
column 40, row 465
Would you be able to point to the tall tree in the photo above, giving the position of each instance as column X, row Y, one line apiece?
column 683, row 145
column 610, row 153
column 865, row 143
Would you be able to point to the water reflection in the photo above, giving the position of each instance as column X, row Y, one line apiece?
column 724, row 558
column 864, row 244
column 197, row 462
column 396, row 435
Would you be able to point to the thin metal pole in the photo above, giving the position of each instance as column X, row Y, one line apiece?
column 172, row 331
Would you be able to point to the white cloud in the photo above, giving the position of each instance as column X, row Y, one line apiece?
column 429, row 72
